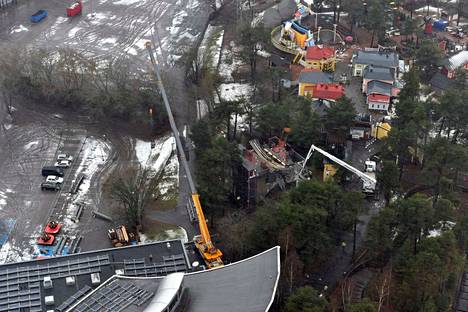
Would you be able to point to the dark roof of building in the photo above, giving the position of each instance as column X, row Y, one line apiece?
column 440, row 82
column 248, row 285
column 319, row 107
column 376, row 58
column 379, row 87
column 278, row 13
column 295, row 71
column 378, row 73
column 22, row 283
column 278, row 60
column 314, row 76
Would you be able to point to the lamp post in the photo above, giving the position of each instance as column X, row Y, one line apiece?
column 334, row 33
column 316, row 18
column 318, row 34
column 338, row 13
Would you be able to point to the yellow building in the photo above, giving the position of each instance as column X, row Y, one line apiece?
column 380, row 130
column 309, row 78
column 320, row 58
column 329, row 171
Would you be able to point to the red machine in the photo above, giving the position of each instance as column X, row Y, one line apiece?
column 46, row 239
column 52, row 227
column 74, row 9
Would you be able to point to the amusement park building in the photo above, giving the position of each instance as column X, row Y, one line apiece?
column 321, row 58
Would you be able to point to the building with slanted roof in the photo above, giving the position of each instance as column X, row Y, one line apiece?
column 382, row 74
column 328, row 91
column 309, row 78
column 248, row 285
column 440, row 83
column 320, row 58
column 137, row 279
column 363, row 59
column 379, row 95
column 378, row 102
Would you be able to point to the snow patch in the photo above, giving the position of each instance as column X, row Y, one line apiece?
column 161, row 157
column 193, row 4
column 132, row 51
column 17, row 29
column 441, row 227
column 94, row 155
column 53, row 29
column 157, row 157
column 72, row 33
column 209, row 50
column 179, row 233
column 126, row 2
column 235, row 91
column 230, row 62
column 30, row 144
column 178, row 19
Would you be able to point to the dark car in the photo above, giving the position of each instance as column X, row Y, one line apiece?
column 52, row 170
column 51, row 186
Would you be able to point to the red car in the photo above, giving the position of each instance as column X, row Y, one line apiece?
column 74, row 9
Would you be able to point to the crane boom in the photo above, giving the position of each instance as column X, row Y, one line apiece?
column 365, row 177
column 209, row 252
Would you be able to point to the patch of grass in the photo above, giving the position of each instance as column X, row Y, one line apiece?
column 166, row 202
column 158, row 231
column 154, row 228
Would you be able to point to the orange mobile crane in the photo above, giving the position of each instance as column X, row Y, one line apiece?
column 203, row 242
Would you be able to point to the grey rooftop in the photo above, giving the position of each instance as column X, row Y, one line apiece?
column 314, row 77
column 378, row 73
column 248, row 285
column 379, row 87
column 24, row 286
column 376, row 58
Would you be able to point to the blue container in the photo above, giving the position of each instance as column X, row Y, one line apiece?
column 38, row 16
column 440, row 25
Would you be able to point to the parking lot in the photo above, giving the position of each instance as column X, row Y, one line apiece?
column 28, row 145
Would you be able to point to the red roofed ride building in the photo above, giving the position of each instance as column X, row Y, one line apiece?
column 321, row 58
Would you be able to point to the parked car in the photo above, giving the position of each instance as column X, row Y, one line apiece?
column 64, row 157
column 62, row 163
column 38, row 16
column 51, row 170
column 54, row 179
column 74, row 9
column 45, row 186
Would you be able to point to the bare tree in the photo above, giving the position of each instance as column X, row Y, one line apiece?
column 134, row 189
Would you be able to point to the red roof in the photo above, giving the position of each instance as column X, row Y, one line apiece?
column 317, row 53
column 379, row 98
column 328, row 91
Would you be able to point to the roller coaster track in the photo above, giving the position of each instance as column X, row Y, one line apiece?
column 292, row 48
column 266, row 156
